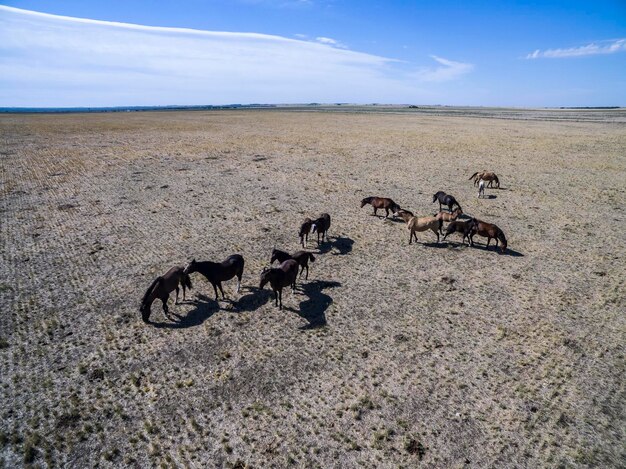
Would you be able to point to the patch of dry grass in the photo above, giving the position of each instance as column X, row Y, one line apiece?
column 440, row 355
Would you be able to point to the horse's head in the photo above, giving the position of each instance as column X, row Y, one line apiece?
column 190, row 268
column 458, row 211
column 364, row 202
column 265, row 277
column 274, row 256
column 145, row 311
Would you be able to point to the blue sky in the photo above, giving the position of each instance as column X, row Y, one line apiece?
column 490, row 53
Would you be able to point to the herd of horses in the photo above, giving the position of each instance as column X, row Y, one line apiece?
column 286, row 274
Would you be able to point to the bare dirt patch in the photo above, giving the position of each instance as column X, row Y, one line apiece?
column 390, row 355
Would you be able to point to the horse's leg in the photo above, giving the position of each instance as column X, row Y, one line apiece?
column 437, row 233
column 307, row 272
column 410, row 236
column 301, row 270
column 375, row 211
column 280, row 296
column 177, row 289
column 488, row 241
column 276, row 297
column 215, row 289
column 219, row 284
column 386, row 213
column 166, row 310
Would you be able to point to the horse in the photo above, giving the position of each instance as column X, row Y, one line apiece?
column 161, row 288
column 321, row 226
column 301, row 257
column 488, row 230
column 305, row 229
column 448, row 217
column 216, row 273
column 462, row 227
column 419, row 224
column 481, row 188
column 283, row 276
column 445, row 199
column 381, row 202
column 488, row 176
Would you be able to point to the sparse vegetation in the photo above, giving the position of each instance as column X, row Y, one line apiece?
column 432, row 355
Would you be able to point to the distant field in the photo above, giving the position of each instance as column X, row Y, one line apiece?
column 433, row 355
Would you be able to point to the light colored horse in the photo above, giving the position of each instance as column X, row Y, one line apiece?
column 414, row 224
column 481, row 188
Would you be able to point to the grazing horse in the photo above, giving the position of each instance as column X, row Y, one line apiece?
column 283, row 276
column 218, row 272
column 448, row 217
column 161, row 288
column 419, row 224
column 487, row 230
column 305, row 229
column 321, row 226
column 462, row 227
column 481, row 188
column 301, row 257
column 381, row 202
column 445, row 199
column 488, row 176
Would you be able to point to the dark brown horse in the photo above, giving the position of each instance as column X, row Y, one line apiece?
column 161, row 288
column 301, row 257
column 218, row 272
column 489, row 231
column 305, row 229
column 381, row 202
column 460, row 226
column 445, row 199
column 283, row 276
column 321, row 226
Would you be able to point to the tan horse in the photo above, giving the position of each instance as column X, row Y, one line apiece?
column 448, row 217
column 420, row 224
column 487, row 176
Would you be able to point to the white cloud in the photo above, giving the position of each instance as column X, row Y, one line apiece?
column 49, row 60
column 330, row 41
column 603, row 47
column 449, row 70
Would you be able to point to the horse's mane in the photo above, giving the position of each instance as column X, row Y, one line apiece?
column 149, row 290
column 367, row 200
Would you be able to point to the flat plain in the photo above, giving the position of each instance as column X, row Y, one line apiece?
column 390, row 355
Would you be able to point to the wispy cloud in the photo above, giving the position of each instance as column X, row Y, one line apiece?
column 602, row 47
column 330, row 41
column 49, row 60
column 448, row 70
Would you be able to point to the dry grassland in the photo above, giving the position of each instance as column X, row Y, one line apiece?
column 432, row 355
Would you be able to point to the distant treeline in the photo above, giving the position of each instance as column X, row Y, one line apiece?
column 131, row 108
column 590, row 107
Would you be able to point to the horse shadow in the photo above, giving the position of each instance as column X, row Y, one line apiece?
column 342, row 244
column 205, row 307
column 507, row 252
column 489, row 196
column 254, row 300
column 313, row 309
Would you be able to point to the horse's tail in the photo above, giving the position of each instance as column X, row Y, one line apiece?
column 150, row 289
column 186, row 281
column 311, row 256
column 458, row 204
column 497, row 180
column 473, row 175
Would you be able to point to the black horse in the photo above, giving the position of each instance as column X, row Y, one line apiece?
column 216, row 273
column 301, row 257
column 161, row 288
column 284, row 276
column 445, row 199
column 321, row 226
